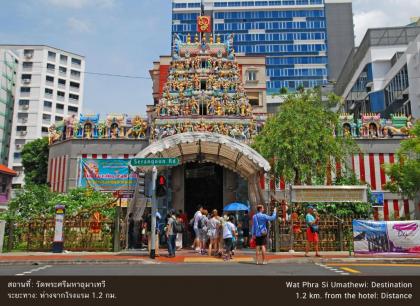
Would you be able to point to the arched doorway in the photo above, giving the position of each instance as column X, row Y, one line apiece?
column 219, row 157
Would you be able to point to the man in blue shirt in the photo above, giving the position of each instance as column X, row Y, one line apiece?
column 260, row 231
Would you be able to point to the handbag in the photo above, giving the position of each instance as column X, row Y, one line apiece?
column 263, row 231
column 314, row 228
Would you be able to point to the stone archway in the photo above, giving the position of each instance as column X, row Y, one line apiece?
column 214, row 148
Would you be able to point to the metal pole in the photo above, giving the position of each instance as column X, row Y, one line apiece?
column 117, row 227
column 292, row 238
column 154, row 210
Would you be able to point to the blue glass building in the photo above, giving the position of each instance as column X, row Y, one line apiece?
column 292, row 34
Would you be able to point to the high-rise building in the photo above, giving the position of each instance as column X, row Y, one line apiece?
column 8, row 71
column 305, row 41
column 382, row 74
column 49, row 87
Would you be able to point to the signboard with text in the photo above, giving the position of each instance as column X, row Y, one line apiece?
column 106, row 175
column 328, row 194
column 155, row 161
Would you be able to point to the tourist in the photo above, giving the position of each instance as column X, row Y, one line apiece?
column 171, row 234
column 197, row 217
column 260, row 231
column 312, row 230
column 213, row 231
column 183, row 216
column 229, row 232
column 131, row 236
column 180, row 232
column 245, row 228
column 203, row 231
column 148, row 221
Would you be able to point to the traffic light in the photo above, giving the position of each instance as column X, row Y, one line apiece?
column 160, row 186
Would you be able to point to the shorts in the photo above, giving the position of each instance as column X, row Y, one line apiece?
column 260, row 241
column 197, row 233
column 228, row 244
column 246, row 232
column 311, row 237
column 213, row 234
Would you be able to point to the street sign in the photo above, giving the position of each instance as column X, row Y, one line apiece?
column 155, row 161
column 124, row 194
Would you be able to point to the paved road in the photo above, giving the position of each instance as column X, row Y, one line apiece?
column 241, row 269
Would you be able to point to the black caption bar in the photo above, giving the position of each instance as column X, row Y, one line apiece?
column 178, row 290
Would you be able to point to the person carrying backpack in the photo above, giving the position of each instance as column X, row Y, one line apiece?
column 179, row 230
column 260, row 231
column 171, row 233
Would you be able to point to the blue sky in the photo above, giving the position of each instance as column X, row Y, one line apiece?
column 126, row 36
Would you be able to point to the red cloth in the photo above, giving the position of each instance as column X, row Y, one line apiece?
column 311, row 237
column 184, row 218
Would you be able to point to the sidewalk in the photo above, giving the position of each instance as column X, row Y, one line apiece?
column 189, row 256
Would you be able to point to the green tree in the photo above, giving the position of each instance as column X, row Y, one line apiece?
column 38, row 202
column 299, row 140
column 406, row 174
column 35, row 161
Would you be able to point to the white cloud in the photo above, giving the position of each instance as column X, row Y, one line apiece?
column 382, row 13
column 78, row 4
column 78, row 25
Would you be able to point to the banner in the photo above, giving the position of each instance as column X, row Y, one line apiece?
column 107, row 175
column 386, row 236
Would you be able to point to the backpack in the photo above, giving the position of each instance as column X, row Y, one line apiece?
column 178, row 227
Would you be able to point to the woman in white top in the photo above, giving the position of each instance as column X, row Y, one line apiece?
column 229, row 231
column 213, row 231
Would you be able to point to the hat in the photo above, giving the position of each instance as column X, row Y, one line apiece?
column 310, row 207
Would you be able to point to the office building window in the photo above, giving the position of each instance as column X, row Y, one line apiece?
column 46, row 117
column 74, row 97
column 63, row 58
column 21, row 128
column 59, row 106
column 61, row 82
column 75, row 73
column 23, row 102
column 25, row 89
column 27, row 65
column 44, row 129
column 62, row 69
column 49, row 78
column 76, row 61
column 47, row 104
column 74, row 84
column 251, row 75
column 58, row 118
column 48, row 91
column 73, row 109
column 51, row 55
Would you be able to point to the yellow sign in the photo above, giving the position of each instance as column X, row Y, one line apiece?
column 350, row 194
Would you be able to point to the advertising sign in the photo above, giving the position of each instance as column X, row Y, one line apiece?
column 386, row 236
column 106, row 175
column 377, row 199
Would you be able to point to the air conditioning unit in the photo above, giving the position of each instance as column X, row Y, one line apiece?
column 26, row 106
column 19, row 146
column 26, row 81
column 18, row 173
column 29, row 55
column 23, row 133
column 24, row 120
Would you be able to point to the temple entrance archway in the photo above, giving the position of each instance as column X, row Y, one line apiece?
column 226, row 154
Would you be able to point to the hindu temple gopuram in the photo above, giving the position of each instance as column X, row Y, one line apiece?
column 202, row 116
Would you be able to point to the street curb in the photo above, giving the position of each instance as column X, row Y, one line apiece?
column 347, row 260
column 77, row 262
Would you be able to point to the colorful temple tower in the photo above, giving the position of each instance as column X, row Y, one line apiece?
column 204, row 92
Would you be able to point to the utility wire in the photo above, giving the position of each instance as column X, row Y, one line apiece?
column 90, row 72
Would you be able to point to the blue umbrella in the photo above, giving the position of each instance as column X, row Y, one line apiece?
column 236, row 207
